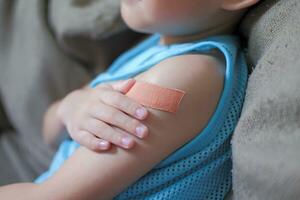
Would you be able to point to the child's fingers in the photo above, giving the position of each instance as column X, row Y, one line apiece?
column 106, row 132
column 119, row 119
column 123, row 86
column 93, row 143
column 124, row 104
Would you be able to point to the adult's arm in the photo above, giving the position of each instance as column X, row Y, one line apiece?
column 89, row 175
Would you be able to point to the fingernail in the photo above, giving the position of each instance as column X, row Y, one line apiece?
column 103, row 144
column 141, row 131
column 127, row 141
column 140, row 113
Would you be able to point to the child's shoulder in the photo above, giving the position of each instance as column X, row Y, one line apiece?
column 205, row 70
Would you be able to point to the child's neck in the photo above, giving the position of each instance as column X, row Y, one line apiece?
column 169, row 39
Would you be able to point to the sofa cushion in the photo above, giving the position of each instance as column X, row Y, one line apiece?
column 263, row 24
column 38, row 67
column 4, row 124
column 266, row 159
column 82, row 26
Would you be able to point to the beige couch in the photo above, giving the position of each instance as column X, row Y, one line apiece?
column 266, row 142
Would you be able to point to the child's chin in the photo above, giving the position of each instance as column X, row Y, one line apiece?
column 141, row 29
column 138, row 26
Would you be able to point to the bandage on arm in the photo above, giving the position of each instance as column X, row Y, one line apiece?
column 155, row 96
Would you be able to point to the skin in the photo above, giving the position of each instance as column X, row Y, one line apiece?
column 84, row 175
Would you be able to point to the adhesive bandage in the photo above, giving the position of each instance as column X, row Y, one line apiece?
column 155, row 96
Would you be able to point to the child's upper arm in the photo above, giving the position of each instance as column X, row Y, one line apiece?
column 90, row 175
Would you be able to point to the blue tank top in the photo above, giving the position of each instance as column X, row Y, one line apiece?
column 200, row 169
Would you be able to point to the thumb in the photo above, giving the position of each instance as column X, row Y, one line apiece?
column 124, row 85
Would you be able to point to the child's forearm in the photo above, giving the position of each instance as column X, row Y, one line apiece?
column 24, row 191
column 52, row 126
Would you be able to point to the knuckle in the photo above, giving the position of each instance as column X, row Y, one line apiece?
column 131, row 125
column 104, row 132
column 134, row 123
column 129, row 105
column 121, row 120
column 113, row 115
column 116, row 138
column 132, row 107
column 117, row 99
column 100, row 94
column 97, row 127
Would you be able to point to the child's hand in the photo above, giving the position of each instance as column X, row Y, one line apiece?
column 103, row 112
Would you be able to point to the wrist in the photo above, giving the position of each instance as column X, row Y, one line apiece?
column 52, row 125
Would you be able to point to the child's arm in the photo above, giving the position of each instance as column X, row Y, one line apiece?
column 52, row 125
column 89, row 175
column 23, row 191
